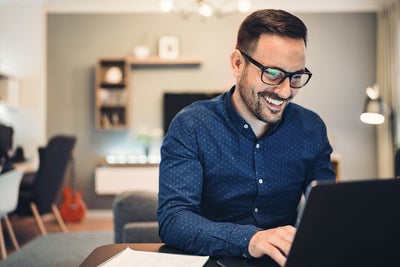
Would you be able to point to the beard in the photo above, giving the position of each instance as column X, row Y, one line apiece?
column 261, row 104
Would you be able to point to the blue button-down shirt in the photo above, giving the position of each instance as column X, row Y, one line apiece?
column 219, row 183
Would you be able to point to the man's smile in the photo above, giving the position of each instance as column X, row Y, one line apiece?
column 274, row 102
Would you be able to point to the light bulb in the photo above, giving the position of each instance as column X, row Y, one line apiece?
column 205, row 10
column 166, row 5
column 372, row 118
column 244, row 5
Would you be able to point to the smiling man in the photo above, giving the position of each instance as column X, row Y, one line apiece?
column 234, row 168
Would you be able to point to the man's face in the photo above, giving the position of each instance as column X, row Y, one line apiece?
column 267, row 102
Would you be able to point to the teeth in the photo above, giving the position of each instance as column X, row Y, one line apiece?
column 273, row 101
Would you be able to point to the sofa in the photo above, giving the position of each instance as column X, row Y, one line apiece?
column 135, row 217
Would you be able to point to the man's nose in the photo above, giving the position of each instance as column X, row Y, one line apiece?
column 283, row 90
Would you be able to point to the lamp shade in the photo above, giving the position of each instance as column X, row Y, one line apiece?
column 373, row 111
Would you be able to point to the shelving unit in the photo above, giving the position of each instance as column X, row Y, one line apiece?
column 113, row 87
column 160, row 61
column 9, row 90
column 112, row 93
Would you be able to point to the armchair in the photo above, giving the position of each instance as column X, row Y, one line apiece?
column 135, row 217
column 38, row 190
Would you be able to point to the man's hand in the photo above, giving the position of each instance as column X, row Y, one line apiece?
column 275, row 242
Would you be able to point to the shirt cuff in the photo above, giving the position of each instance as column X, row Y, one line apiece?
column 241, row 236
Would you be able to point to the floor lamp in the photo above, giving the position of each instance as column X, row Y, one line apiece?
column 374, row 107
column 374, row 113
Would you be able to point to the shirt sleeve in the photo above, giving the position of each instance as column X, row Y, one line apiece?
column 321, row 168
column 180, row 193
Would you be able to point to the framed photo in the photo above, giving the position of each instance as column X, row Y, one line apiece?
column 168, row 47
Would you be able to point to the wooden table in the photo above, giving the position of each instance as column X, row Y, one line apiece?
column 103, row 253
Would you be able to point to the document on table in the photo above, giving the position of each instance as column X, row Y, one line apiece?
column 130, row 257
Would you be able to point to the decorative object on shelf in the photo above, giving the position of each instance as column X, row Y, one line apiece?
column 168, row 47
column 141, row 51
column 113, row 75
column 205, row 8
column 150, row 138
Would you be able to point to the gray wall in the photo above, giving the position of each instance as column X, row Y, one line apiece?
column 341, row 55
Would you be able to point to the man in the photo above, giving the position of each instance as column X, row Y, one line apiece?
column 234, row 168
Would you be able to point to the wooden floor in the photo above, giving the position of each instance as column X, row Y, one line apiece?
column 26, row 229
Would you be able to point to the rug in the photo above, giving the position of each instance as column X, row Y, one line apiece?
column 58, row 249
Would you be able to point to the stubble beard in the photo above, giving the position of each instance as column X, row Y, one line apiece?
column 256, row 102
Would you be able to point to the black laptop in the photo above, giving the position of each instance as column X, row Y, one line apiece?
column 347, row 224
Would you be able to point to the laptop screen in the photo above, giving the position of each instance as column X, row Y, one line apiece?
column 350, row 224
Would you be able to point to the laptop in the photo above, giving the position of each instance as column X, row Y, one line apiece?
column 347, row 224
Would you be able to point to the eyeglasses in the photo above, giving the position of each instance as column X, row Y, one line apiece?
column 275, row 76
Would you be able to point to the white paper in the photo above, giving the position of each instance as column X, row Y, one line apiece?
column 130, row 257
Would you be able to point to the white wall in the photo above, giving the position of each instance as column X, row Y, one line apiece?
column 23, row 54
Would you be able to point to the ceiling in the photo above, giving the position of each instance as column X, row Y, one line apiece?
column 153, row 5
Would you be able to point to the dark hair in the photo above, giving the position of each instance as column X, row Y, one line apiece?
column 271, row 21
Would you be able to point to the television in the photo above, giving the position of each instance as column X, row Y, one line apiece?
column 174, row 102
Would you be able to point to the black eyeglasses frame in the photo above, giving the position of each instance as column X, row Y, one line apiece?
column 287, row 73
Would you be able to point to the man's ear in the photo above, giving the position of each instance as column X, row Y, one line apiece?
column 237, row 63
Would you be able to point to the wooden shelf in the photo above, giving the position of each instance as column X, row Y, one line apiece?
column 112, row 99
column 153, row 60
column 112, row 104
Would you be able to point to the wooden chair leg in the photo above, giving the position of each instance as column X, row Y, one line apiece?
column 2, row 244
column 38, row 219
column 59, row 219
column 11, row 232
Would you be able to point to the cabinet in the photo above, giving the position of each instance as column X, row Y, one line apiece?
column 113, row 90
column 114, row 179
column 112, row 94
column 9, row 90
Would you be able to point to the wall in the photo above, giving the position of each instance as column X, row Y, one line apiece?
column 22, row 54
column 341, row 55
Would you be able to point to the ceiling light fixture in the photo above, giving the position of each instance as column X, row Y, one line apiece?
column 204, row 8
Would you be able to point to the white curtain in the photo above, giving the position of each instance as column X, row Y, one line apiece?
column 388, row 34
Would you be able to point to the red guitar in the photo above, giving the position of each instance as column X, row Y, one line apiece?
column 72, row 209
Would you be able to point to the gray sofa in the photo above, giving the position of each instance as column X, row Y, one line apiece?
column 135, row 217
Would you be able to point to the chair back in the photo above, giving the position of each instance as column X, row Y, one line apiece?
column 135, row 207
column 9, row 189
column 54, row 159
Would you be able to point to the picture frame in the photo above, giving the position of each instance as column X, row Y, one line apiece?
column 168, row 47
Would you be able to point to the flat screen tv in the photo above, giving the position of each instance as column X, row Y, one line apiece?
column 174, row 102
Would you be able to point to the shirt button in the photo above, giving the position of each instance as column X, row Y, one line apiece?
column 258, row 146
column 255, row 210
column 260, row 181
column 246, row 126
column 244, row 256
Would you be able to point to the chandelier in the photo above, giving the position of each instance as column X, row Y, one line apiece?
column 204, row 8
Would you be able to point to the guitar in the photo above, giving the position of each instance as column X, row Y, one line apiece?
column 72, row 209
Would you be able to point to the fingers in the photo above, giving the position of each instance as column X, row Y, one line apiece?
column 275, row 242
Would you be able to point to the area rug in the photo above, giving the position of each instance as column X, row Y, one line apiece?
column 58, row 249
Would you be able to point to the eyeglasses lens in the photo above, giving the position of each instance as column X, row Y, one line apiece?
column 274, row 77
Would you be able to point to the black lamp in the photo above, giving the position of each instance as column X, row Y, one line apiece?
column 374, row 107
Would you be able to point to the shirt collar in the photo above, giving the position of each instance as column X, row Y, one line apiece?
column 239, row 123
